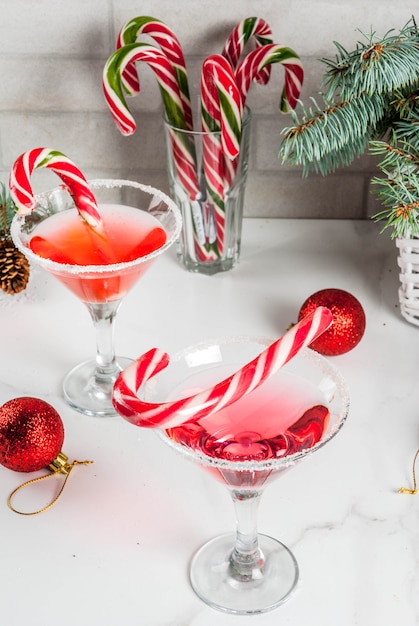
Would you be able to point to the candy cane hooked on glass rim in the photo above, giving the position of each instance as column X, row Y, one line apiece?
column 78, row 187
column 170, row 46
column 249, row 377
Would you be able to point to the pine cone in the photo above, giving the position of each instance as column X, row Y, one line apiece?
column 14, row 268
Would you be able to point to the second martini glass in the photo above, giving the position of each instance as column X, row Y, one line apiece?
column 245, row 446
column 102, row 286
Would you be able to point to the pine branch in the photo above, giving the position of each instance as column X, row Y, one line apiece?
column 396, row 155
column 368, row 90
column 328, row 138
column 7, row 211
column 399, row 194
column 377, row 64
column 406, row 102
column 332, row 160
column 406, row 132
column 398, row 189
column 371, row 99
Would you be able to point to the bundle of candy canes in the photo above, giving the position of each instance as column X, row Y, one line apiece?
column 174, row 413
column 225, row 83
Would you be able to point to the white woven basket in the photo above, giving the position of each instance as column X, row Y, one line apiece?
column 408, row 261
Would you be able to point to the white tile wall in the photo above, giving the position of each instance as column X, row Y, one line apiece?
column 51, row 59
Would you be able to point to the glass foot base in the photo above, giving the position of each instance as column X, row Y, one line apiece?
column 90, row 393
column 213, row 581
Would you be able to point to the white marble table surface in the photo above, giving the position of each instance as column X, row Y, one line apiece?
column 115, row 548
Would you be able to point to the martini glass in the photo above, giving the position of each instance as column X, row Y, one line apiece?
column 245, row 446
column 101, row 287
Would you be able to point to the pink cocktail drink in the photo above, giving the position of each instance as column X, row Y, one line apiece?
column 293, row 413
column 98, row 250
column 126, row 235
column 285, row 415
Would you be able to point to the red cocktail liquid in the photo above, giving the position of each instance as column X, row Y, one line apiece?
column 127, row 235
column 283, row 416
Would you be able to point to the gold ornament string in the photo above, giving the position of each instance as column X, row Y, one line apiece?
column 59, row 465
column 414, row 490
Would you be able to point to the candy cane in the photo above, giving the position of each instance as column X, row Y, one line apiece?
column 166, row 79
column 222, row 112
column 181, row 143
column 256, row 60
column 21, row 188
column 169, row 45
column 221, row 103
column 241, row 35
column 205, row 403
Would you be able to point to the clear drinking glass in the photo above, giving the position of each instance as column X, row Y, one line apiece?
column 209, row 191
column 88, row 387
column 287, row 419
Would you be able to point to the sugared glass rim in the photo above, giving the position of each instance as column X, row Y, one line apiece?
column 54, row 266
column 271, row 464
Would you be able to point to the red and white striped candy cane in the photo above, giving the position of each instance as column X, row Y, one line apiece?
column 172, row 101
column 221, row 103
column 21, row 187
column 205, row 403
column 256, row 60
column 222, row 111
column 249, row 70
column 166, row 79
column 182, row 144
column 183, row 149
column 183, row 162
column 169, row 45
column 245, row 31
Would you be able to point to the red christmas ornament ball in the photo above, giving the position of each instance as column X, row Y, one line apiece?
column 31, row 434
column 348, row 325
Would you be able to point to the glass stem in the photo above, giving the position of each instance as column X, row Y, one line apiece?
column 103, row 316
column 246, row 560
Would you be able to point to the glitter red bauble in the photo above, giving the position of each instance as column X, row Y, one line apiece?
column 348, row 324
column 31, row 434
